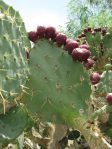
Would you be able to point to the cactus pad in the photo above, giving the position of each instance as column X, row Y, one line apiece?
column 105, row 84
column 12, row 124
column 13, row 42
column 58, row 86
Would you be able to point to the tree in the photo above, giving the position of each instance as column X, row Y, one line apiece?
column 85, row 13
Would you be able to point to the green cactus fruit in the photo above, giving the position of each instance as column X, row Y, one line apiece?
column 13, row 124
column 58, row 86
column 13, row 43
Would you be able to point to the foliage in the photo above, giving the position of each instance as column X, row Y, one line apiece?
column 85, row 13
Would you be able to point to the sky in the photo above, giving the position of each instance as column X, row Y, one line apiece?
column 41, row 12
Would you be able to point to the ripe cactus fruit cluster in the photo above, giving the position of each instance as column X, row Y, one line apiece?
column 93, row 31
column 78, row 52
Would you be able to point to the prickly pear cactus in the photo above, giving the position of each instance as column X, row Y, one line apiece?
column 12, row 124
column 58, row 86
column 100, row 44
column 13, row 43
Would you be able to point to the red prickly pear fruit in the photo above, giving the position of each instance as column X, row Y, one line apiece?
column 80, row 54
column 70, row 45
column 109, row 98
column 54, row 39
column 95, row 78
column 68, row 40
column 61, row 39
column 85, row 46
column 89, row 29
column 32, row 36
column 41, row 31
column 50, row 32
column 89, row 63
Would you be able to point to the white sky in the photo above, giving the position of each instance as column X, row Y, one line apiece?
column 41, row 12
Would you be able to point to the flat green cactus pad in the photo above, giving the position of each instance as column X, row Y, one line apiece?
column 12, row 124
column 58, row 86
column 13, row 43
column 105, row 84
column 17, row 20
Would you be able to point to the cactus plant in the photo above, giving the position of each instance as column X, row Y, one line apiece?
column 59, row 87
